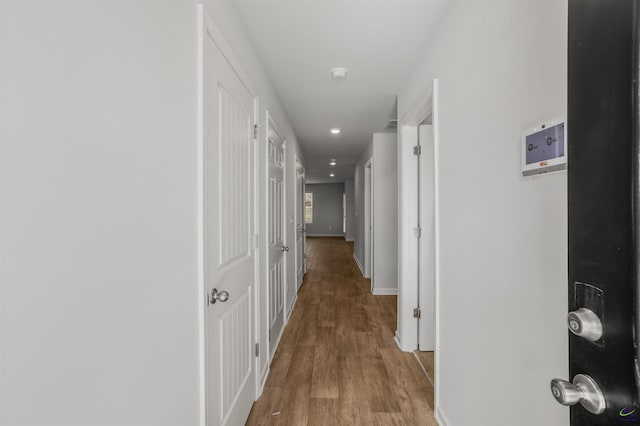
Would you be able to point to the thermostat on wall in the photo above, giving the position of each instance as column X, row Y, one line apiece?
column 544, row 148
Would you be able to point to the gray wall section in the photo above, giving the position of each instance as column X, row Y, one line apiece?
column 385, row 212
column 350, row 233
column 327, row 209
column 358, row 184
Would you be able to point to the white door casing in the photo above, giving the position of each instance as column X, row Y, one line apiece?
column 427, row 264
column 276, row 233
column 227, row 118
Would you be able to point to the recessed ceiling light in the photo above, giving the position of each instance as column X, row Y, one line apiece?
column 331, row 175
column 335, row 131
column 338, row 73
column 333, row 163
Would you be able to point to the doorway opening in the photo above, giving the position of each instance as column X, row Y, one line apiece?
column 419, row 238
column 368, row 221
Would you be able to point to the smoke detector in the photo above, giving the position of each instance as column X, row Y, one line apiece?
column 338, row 73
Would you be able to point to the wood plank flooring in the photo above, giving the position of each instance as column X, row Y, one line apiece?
column 337, row 363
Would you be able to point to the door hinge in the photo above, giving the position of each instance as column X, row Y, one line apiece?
column 255, row 131
column 417, row 313
column 257, row 349
column 417, row 231
column 417, row 150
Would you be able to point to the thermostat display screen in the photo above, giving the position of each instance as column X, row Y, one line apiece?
column 545, row 144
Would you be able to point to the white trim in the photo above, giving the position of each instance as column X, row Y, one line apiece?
column 202, row 329
column 440, row 416
column 263, row 380
column 420, row 110
column 325, row 235
column 277, row 342
column 349, row 240
column 396, row 338
column 291, row 309
column 384, row 291
column 359, row 264
column 436, row 163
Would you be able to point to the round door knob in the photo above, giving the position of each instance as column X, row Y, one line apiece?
column 216, row 296
column 566, row 393
column 583, row 390
column 585, row 323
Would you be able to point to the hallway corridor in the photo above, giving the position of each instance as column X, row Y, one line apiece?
column 338, row 363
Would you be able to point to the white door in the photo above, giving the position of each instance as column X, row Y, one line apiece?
column 427, row 247
column 229, row 258
column 368, row 221
column 301, row 257
column 277, row 245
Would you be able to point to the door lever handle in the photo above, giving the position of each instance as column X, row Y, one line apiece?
column 285, row 248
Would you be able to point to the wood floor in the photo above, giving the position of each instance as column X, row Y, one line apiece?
column 338, row 363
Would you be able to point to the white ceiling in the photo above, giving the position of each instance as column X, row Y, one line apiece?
column 378, row 41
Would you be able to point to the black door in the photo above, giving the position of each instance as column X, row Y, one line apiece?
column 603, row 210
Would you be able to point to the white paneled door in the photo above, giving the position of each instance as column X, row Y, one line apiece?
column 301, row 258
column 427, row 247
column 228, row 220
column 277, row 235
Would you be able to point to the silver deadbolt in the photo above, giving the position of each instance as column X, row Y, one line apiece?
column 585, row 323
column 216, row 295
column 583, row 390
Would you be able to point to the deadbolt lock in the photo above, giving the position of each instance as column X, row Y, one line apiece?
column 585, row 323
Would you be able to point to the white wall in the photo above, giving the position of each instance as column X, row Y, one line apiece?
column 327, row 209
column 358, row 184
column 501, row 67
column 350, row 232
column 98, row 305
column 98, row 214
column 385, row 213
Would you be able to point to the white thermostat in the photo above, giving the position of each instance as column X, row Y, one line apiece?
column 544, row 148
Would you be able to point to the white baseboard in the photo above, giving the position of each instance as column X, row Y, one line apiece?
column 384, row 291
column 359, row 264
column 440, row 417
column 396, row 338
column 325, row 235
column 291, row 307
column 349, row 240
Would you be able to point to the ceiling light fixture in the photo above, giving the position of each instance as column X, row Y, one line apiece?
column 338, row 73
column 332, row 163
column 335, row 131
column 331, row 175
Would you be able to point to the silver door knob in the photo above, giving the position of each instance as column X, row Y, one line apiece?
column 216, row 295
column 583, row 390
column 285, row 248
column 585, row 323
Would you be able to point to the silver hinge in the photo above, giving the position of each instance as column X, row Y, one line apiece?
column 255, row 131
column 417, row 150
column 257, row 349
column 417, row 312
column 417, row 231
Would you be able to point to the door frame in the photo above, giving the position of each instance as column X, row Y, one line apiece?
column 206, row 24
column 408, row 288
